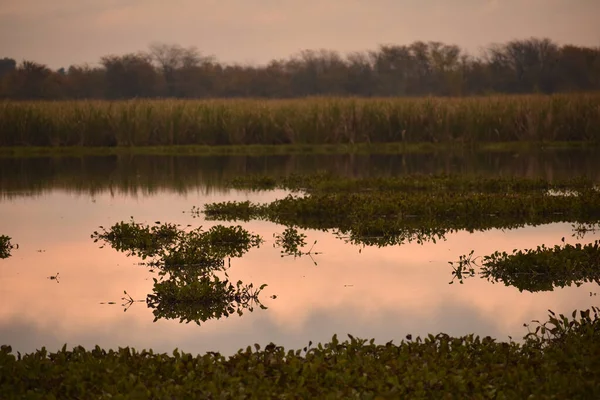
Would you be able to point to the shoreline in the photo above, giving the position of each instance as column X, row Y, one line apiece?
column 266, row 150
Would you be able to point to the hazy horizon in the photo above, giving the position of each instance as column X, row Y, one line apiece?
column 71, row 32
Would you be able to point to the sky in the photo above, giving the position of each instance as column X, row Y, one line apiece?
column 60, row 33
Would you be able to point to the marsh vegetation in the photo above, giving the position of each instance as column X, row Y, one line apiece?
column 392, row 211
column 191, row 272
column 5, row 246
column 188, row 287
column 533, row 270
column 313, row 121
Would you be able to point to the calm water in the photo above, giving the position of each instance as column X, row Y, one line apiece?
column 50, row 206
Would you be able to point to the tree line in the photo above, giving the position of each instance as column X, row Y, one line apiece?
column 520, row 66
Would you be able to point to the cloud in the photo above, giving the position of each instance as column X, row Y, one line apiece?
column 228, row 336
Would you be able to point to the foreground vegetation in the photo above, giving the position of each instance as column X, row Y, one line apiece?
column 390, row 211
column 314, row 121
column 558, row 359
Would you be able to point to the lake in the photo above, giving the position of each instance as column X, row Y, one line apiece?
column 57, row 286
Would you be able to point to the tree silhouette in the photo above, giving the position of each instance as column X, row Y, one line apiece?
column 417, row 69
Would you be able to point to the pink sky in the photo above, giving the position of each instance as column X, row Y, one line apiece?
column 65, row 32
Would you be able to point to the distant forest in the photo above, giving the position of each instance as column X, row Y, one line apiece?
column 520, row 66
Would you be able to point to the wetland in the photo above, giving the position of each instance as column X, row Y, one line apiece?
column 209, row 254
column 411, row 221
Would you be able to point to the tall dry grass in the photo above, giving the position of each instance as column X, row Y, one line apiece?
column 563, row 117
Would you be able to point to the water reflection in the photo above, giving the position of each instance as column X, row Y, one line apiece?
column 536, row 269
column 581, row 229
column 292, row 243
column 189, row 287
column 383, row 219
column 143, row 174
column 383, row 293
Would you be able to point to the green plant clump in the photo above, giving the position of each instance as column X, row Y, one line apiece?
column 386, row 211
column 201, row 299
column 175, row 247
column 325, row 182
column 384, row 218
column 533, row 270
column 558, row 359
column 188, row 261
column 138, row 239
column 545, row 268
column 290, row 241
column 5, row 246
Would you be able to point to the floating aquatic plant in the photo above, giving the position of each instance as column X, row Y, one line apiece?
column 532, row 270
column 6, row 246
column 128, row 301
column 189, row 288
column 385, row 211
column 291, row 242
column 463, row 268
column 203, row 298
column 581, row 229
column 394, row 217
column 138, row 239
column 174, row 247
column 326, row 182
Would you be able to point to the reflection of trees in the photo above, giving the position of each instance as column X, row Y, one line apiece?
column 189, row 262
column 147, row 174
column 533, row 270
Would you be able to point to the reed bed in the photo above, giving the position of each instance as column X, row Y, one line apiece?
column 310, row 121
